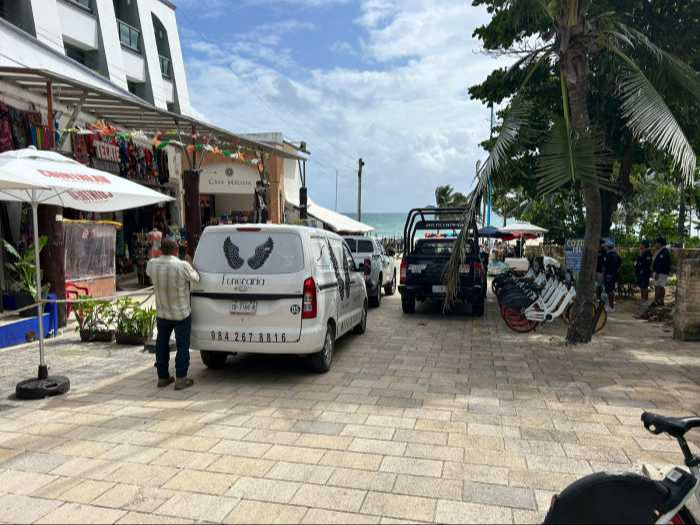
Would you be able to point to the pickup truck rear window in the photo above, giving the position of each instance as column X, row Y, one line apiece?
column 439, row 248
column 259, row 253
column 362, row 247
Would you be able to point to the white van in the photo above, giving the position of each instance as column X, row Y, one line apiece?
column 274, row 289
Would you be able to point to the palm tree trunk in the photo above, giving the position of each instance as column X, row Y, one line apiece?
column 574, row 63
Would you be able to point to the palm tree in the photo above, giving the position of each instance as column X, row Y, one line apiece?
column 574, row 155
column 447, row 197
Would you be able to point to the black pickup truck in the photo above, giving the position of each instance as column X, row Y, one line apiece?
column 429, row 239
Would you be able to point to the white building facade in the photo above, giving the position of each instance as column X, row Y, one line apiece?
column 133, row 44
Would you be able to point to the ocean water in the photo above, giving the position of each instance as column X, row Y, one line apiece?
column 385, row 224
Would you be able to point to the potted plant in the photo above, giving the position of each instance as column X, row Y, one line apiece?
column 135, row 324
column 23, row 276
column 95, row 320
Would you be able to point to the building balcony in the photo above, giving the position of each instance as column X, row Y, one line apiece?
column 129, row 36
column 134, row 64
column 80, row 26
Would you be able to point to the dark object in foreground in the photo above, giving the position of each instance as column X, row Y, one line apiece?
column 34, row 389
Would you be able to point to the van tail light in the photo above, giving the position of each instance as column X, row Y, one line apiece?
column 478, row 268
column 367, row 265
column 402, row 278
column 310, row 306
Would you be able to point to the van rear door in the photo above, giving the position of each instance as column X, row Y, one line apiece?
column 251, row 287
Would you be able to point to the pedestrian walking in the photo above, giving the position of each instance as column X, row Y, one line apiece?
column 171, row 279
column 611, row 267
column 642, row 269
column 662, row 269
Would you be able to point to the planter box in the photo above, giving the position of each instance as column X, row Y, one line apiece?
column 87, row 336
column 134, row 340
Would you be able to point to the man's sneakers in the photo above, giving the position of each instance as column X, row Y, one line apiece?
column 181, row 383
column 162, row 383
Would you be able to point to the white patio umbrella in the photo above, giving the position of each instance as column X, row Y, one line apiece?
column 523, row 229
column 44, row 177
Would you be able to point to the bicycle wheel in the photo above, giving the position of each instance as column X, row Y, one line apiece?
column 516, row 322
column 602, row 320
column 684, row 517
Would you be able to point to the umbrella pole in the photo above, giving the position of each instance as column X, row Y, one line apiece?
column 43, row 369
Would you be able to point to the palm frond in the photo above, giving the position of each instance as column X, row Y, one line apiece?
column 651, row 120
column 567, row 158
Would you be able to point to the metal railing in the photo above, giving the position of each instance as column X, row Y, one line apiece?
column 129, row 36
column 165, row 66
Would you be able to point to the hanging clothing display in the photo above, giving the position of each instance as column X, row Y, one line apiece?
column 6, row 142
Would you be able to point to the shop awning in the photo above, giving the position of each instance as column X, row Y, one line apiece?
column 126, row 110
column 338, row 222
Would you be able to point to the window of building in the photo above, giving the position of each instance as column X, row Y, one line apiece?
column 83, row 4
column 76, row 54
column 129, row 36
column 19, row 14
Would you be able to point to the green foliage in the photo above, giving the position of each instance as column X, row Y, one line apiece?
column 23, row 270
column 94, row 315
column 447, row 197
column 133, row 320
column 560, row 214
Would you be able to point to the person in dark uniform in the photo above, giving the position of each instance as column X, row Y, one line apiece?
column 599, row 269
column 611, row 266
column 662, row 269
column 642, row 269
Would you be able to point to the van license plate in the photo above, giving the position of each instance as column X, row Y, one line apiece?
column 439, row 289
column 464, row 268
column 244, row 307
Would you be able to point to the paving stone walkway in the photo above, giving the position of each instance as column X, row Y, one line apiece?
column 423, row 419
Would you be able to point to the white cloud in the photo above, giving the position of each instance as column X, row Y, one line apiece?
column 407, row 113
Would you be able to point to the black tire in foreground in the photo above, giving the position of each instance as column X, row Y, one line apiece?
column 408, row 304
column 375, row 301
column 361, row 328
column 322, row 361
column 390, row 289
column 214, row 360
column 478, row 309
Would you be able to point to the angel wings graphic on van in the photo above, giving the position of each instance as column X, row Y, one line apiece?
column 257, row 261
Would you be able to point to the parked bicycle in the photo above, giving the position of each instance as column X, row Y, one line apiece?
column 633, row 498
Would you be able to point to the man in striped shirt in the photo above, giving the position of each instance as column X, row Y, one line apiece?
column 171, row 279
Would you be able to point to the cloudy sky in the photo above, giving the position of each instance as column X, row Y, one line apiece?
column 385, row 80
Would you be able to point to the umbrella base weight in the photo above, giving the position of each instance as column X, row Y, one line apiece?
column 33, row 389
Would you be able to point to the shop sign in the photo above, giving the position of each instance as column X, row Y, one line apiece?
column 106, row 157
column 573, row 250
column 228, row 178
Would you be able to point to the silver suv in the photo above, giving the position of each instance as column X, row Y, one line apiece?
column 378, row 265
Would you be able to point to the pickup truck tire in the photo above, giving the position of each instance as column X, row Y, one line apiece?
column 408, row 304
column 375, row 301
column 390, row 289
column 214, row 360
column 478, row 309
column 322, row 361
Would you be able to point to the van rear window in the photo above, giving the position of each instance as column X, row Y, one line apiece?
column 260, row 253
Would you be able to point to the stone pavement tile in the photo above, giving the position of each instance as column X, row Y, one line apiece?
column 198, row 507
column 342, row 417
column 49, row 428
column 437, row 452
column 441, row 426
column 397, row 506
column 478, row 442
column 263, row 512
column 132, row 454
column 142, row 475
column 330, row 498
column 322, row 517
column 57, row 487
column 421, row 436
column 422, row 413
column 362, row 479
column 300, row 414
column 273, row 437
column 497, row 459
column 240, row 448
column 77, row 514
column 318, row 427
column 133, row 498
column 138, row 518
column 189, row 443
column 34, row 462
column 185, row 460
column 414, row 466
column 353, row 460
column 428, row 487
column 223, row 432
column 606, row 454
column 271, row 490
column 320, row 441
column 83, row 449
column 294, row 454
column 528, row 517
column 256, row 468
column 561, row 465
column 478, row 473
column 391, row 421
column 374, row 446
column 26, row 442
column 176, row 427
column 13, row 425
column 538, row 448
column 368, row 432
column 533, row 434
column 575, row 426
column 316, row 474
column 17, row 482
column 478, row 429
column 86, row 492
column 23, row 509
column 541, row 480
column 499, row 495
column 457, row 512
column 200, row 481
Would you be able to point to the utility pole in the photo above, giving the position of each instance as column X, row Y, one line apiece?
column 490, row 185
column 361, row 165
column 336, row 190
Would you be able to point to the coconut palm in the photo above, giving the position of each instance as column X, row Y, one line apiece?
column 574, row 156
column 447, row 197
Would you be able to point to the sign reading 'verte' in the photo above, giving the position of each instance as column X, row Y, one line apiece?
column 228, row 178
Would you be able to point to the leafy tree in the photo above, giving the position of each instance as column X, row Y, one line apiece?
column 447, row 197
column 578, row 43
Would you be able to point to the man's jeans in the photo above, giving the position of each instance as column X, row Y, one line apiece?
column 183, row 330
